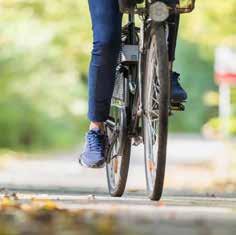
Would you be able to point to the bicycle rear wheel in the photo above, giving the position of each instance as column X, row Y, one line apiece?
column 156, row 111
column 118, row 155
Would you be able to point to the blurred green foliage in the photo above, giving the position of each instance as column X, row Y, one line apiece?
column 44, row 54
column 214, row 126
column 44, row 51
column 217, row 126
column 211, row 24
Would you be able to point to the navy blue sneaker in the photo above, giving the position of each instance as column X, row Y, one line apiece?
column 178, row 94
column 95, row 148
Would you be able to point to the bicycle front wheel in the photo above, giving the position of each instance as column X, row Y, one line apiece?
column 156, row 110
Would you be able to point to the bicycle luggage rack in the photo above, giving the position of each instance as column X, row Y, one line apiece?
column 182, row 8
column 185, row 9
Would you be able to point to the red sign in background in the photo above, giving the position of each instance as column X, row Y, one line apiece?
column 225, row 65
column 228, row 78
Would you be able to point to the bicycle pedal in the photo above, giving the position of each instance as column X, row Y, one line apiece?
column 177, row 107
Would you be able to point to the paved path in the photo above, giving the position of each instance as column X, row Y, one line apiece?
column 64, row 170
column 190, row 170
column 173, row 215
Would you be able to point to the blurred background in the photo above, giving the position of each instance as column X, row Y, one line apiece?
column 44, row 55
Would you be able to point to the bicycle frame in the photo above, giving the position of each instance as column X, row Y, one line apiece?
column 129, row 119
column 143, row 12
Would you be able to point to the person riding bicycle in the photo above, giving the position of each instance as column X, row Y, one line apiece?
column 107, row 25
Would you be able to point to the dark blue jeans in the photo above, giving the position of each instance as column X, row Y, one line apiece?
column 106, row 22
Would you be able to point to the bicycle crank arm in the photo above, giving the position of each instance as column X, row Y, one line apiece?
column 110, row 123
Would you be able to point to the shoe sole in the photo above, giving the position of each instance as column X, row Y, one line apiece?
column 96, row 166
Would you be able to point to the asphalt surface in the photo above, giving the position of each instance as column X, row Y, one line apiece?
column 172, row 215
column 190, row 161
column 189, row 205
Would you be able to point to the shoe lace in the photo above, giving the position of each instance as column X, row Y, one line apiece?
column 95, row 141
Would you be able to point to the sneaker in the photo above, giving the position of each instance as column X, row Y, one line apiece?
column 94, row 152
column 178, row 94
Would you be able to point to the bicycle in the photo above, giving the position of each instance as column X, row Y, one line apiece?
column 141, row 103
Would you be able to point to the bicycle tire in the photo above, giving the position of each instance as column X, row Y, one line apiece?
column 117, row 188
column 156, row 68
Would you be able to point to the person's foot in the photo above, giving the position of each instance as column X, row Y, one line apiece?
column 178, row 94
column 95, row 148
